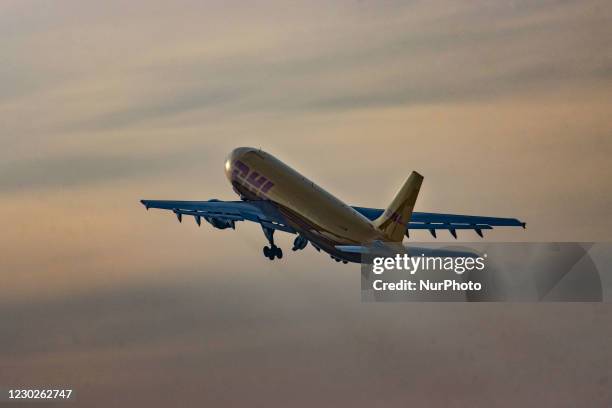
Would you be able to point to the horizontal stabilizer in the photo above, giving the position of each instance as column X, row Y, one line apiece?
column 353, row 249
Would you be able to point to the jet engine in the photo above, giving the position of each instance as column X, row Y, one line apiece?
column 299, row 243
column 220, row 223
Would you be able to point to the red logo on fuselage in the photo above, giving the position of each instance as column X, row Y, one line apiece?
column 254, row 181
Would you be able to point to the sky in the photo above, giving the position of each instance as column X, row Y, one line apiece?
column 504, row 107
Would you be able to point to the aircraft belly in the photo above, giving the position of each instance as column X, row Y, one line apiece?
column 319, row 237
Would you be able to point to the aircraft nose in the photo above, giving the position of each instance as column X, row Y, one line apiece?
column 234, row 155
column 239, row 152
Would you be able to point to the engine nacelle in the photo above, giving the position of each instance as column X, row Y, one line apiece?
column 221, row 223
column 299, row 243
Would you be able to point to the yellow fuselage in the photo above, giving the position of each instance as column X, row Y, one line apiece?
column 321, row 217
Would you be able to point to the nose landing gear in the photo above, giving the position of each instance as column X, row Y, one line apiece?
column 271, row 251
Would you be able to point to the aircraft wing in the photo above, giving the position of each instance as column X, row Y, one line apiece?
column 450, row 222
column 224, row 214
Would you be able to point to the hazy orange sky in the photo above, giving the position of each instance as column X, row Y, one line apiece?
column 504, row 107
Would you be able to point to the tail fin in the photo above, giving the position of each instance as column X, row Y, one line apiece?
column 393, row 221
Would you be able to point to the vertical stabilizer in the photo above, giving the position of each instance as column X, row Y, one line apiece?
column 393, row 221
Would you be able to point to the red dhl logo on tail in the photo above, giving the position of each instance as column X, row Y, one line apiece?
column 394, row 216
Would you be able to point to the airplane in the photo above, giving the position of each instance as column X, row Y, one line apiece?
column 281, row 199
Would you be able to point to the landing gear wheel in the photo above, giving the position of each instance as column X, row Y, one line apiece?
column 272, row 251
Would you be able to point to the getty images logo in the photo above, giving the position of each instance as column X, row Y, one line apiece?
column 413, row 264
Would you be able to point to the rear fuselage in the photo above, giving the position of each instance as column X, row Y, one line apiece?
column 316, row 214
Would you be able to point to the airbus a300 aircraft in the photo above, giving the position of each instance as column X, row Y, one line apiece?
column 279, row 198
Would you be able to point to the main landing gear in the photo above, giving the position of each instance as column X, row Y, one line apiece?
column 271, row 251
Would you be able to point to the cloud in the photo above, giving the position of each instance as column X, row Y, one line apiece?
column 278, row 60
column 191, row 100
column 73, row 171
column 287, row 340
column 503, row 106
